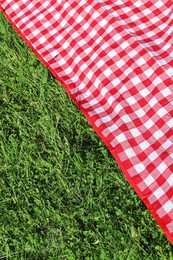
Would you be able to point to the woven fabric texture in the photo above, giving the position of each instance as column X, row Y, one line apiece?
column 115, row 60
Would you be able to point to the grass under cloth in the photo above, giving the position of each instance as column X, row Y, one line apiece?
column 62, row 195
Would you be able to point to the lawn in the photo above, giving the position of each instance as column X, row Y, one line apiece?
column 62, row 196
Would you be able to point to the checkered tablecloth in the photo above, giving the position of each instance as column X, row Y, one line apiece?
column 115, row 60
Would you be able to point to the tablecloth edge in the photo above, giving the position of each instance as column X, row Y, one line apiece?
column 89, row 119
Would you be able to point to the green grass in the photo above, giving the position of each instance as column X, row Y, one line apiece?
column 62, row 195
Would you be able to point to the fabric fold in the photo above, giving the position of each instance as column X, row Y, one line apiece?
column 150, row 23
column 122, row 85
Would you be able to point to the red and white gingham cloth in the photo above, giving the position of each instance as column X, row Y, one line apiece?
column 115, row 60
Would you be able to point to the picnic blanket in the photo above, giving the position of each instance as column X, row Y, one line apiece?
column 115, row 60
